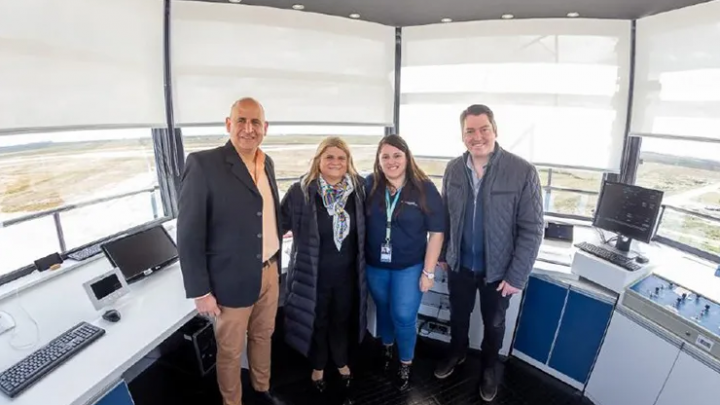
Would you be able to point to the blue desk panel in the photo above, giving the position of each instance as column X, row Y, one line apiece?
column 539, row 318
column 120, row 395
column 580, row 336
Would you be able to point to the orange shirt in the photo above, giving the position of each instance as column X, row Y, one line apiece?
column 271, row 243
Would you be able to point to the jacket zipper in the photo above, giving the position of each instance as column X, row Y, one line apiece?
column 475, row 197
column 471, row 182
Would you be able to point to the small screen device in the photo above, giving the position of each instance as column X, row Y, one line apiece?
column 106, row 288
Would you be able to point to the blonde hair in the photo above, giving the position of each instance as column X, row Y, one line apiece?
column 329, row 142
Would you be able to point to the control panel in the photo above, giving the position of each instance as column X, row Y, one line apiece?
column 689, row 315
column 434, row 330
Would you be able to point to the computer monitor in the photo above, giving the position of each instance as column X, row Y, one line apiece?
column 629, row 211
column 141, row 253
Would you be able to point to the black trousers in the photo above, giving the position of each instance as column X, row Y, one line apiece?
column 333, row 311
column 463, row 284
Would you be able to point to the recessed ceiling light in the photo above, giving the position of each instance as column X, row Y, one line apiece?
column 354, row 15
column 573, row 15
column 507, row 16
column 446, row 20
column 298, row 7
column 235, row 1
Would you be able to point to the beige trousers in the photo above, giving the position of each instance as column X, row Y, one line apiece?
column 258, row 322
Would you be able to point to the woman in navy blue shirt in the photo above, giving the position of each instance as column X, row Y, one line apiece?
column 401, row 253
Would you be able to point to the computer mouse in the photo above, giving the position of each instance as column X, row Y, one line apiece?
column 641, row 259
column 111, row 316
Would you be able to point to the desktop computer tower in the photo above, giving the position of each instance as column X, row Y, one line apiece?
column 200, row 347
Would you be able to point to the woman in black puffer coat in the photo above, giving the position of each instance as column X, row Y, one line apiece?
column 325, row 212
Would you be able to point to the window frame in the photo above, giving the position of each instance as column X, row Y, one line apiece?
column 168, row 171
column 634, row 143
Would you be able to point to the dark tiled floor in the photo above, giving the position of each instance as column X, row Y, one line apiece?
column 167, row 383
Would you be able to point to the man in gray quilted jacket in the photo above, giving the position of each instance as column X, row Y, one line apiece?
column 495, row 214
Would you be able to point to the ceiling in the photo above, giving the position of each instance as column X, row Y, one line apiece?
column 417, row 12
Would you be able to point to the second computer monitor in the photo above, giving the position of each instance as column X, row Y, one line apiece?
column 140, row 252
column 629, row 211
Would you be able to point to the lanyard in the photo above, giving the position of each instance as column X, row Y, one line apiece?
column 390, row 208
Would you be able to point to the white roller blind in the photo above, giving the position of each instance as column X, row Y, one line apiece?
column 558, row 87
column 303, row 67
column 81, row 63
column 677, row 74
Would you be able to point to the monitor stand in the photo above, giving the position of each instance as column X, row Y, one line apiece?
column 622, row 243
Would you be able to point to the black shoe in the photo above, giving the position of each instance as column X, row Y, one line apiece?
column 268, row 398
column 489, row 384
column 404, row 376
column 446, row 367
column 346, row 387
column 346, row 380
column 387, row 357
column 319, row 385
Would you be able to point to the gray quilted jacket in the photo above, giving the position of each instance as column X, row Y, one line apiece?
column 512, row 214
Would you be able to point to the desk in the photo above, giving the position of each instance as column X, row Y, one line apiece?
column 155, row 308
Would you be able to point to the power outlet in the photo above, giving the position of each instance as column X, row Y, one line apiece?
column 7, row 322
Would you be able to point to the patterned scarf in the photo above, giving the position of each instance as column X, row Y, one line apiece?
column 334, row 198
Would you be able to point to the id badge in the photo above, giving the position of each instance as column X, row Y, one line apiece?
column 385, row 253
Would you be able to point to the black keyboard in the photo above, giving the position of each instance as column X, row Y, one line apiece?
column 617, row 259
column 32, row 368
column 85, row 253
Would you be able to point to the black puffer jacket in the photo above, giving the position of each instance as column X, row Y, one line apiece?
column 299, row 215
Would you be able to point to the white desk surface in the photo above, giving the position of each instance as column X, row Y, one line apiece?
column 155, row 308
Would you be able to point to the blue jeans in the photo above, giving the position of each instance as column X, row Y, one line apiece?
column 397, row 296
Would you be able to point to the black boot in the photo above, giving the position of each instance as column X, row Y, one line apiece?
column 404, row 376
column 446, row 367
column 346, row 387
column 489, row 384
column 319, row 386
column 387, row 357
column 345, row 381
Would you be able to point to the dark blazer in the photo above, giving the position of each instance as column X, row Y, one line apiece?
column 299, row 215
column 219, row 227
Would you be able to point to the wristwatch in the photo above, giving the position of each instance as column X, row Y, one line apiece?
column 430, row 276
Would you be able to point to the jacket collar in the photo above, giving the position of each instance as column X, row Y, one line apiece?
column 494, row 156
column 238, row 168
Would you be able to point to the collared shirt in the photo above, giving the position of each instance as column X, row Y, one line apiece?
column 271, row 243
column 476, row 181
column 409, row 225
column 472, row 248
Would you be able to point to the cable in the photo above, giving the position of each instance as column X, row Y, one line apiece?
column 25, row 346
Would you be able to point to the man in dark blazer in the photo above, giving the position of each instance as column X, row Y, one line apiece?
column 229, row 244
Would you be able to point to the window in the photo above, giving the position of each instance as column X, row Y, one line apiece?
column 305, row 68
column 45, row 174
column 692, row 230
column 293, row 147
column 533, row 75
column 677, row 80
column 570, row 192
column 689, row 174
column 81, row 63
column 676, row 111
column 434, row 168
